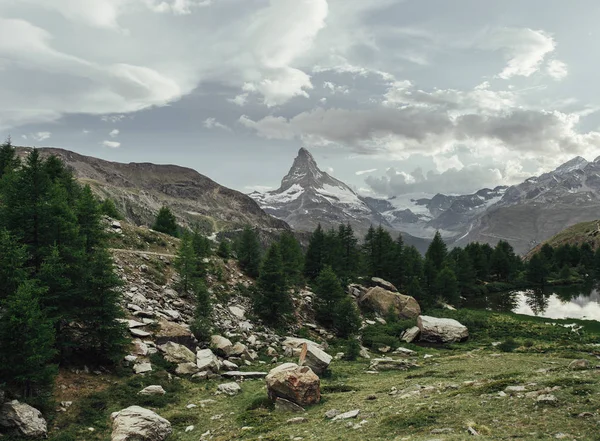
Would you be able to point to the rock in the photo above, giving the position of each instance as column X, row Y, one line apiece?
column 388, row 364
column 472, row 431
column 138, row 424
column 221, row 345
column 316, row 359
column 244, row 375
column 364, row 353
column 296, row 343
column 283, row 405
column 376, row 281
column 515, row 389
column 176, row 353
column 139, row 333
column 238, row 350
column 238, row 312
column 404, row 351
column 298, row 384
column 347, row 415
column 356, row 290
column 140, row 348
column 152, row 390
column 143, row 367
column 579, row 365
column 230, row 366
column 547, row 399
column 176, row 333
column 441, row 330
column 411, row 334
column 383, row 301
column 297, row 420
column 230, row 389
column 331, row 414
column 207, row 361
column 186, row 369
column 23, row 419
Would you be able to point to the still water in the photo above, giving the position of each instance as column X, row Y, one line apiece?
column 577, row 302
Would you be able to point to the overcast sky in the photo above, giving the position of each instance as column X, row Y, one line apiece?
column 390, row 96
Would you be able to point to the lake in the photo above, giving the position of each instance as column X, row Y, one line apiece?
column 577, row 302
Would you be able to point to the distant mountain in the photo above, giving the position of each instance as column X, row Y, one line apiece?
column 309, row 196
column 541, row 207
column 140, row 189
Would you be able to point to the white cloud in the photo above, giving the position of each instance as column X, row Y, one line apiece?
column 113, row 133
column 557, row 69
column 523, row 48
column 240, row 99
column 259, row 188
column 212, row 123
column 365, row 172
column 329, row 170
column 111, row 144
column 40, row 136
column 177, row 7
column 112, row 118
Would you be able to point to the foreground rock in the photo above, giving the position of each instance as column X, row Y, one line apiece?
column 176, row 353
column 441, row 330
column 23, row 419
column 316, row 359
column 383, row 301
column 138, row 424
column 222, row 345
column 207, row 361
column 298, row 384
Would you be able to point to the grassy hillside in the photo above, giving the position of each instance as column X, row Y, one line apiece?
column 584, row 232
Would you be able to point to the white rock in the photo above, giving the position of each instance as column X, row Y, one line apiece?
column 229, row 388
column 139, row 333
column 207, row 361
column 26, row 420
column 441, row 330
column 317, row 359
column 410, row 334
column 222, row 345
column 141, row 368
column 228, row 365
column 347, row 415
column 136, row 423
column 152, row 390
column 176, row 353
column 238, row 312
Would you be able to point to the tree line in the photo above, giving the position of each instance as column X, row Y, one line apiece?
column 59, row 293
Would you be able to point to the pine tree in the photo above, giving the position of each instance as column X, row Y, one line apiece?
column 437, row 252
column 504, row 262
column 27, row 339
column 292, row 257
column 465, row 274
column 201, row 324
column 349, row 264
column 166, row 222
column 346, row 320
column 315, row 254
column 186, row 264
column 272, row 301
column 447, row 286
column 8, row 158
column 13, row 257
column 224, row 250
column 328, row 293
column 248, row 252
column 379, row 250
column 538, row 269
column 88, row 218
column 108, row 208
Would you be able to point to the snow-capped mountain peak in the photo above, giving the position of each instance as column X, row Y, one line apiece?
column 577, row 163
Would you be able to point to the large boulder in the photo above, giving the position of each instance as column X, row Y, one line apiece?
column 316, row 359
column 174, row 332
column 176, row 353
column 221, row 345
column 207, row 361
column 383, row 301
column 441, row 330
column 298, row 384
column 376, row 281
column 138, row 424
column 25, row 420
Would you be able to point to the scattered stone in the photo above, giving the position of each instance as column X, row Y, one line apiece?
column 371, row 397
column 472, row 431
column 230, row 366
column 515, row 389
column 426, row 356
column 186, row 369
column 547, row 399
column 244, row 375
column 230, row 389
column 170, row 331
column 586, row 415
column 364, row 353
column 238, row 350
column 347, row 415
column 579, row 365
column 189, row 429
column 376, row 281
column 207, row 361
column 389, row 364
column 298, row 384
column 296, row 343
column 331, row 414
column 316, row 359
column 23, row 419
column 142, row 368
column 297, row 420
column 176, row 353
column 138, row 424
column 441, row 330
column 283, row 405
column 405, row 351
column 139, row 333
column 221, row 345
column 238, row 312
column 383, row 301
column 152, row 390
column 441, row 431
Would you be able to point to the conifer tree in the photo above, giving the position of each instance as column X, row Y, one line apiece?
column 328, row 293
column 447, row 286
column 350, row 254
column 346, row 318
column 201, row 324
column 504, row 262
column 538, row 269
column 292, row 257
column 465, row 274
column 315, row 254
column 224, row 250
column 272, row 301
column 379, row 251
column 186, row 264
column 108, row 208
column 248, row 252
column 8, row 158
column 166, row 222
column 27, row 339
column 437, row 252
column 12, row 260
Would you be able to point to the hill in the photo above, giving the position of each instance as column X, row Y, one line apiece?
column 584, row 232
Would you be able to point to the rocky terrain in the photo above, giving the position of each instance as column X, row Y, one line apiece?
column 141, row 189
column 440, row 380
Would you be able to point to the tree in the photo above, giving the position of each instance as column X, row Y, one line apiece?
column 166, row 222
column 224, row 250
column 272, row 301
column 504, row 262
column 538, row 269
column 465, row 274
column 346, row 318
column 201, row 323
column 27, row 341
column 292, row 258
column 186, row 264
column 437, row 252
column 379, row 249
column 88, row 218
column 447, row 286
column 315, row 253
column 349, row 262
column 8, row 158
column 108, row 208
column 565, row 273
column 12, row 260
column 248, row 252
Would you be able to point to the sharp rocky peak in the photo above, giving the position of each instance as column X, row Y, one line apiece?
column 306, row 173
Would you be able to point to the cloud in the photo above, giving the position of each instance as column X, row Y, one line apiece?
column 111, row 144
column 40, row 136
column 365, row 172
column 113, row 133
column 557, row 69
column 523, row 48
column 212, row 123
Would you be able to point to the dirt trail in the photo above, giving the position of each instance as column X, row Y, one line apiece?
column 148, row 253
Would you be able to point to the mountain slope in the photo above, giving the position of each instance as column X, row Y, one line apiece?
column 578, row 234
column 140, row 189
column 541, row 207
column 309, row 196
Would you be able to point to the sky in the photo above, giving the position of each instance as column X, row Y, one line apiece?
column 390, row 96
